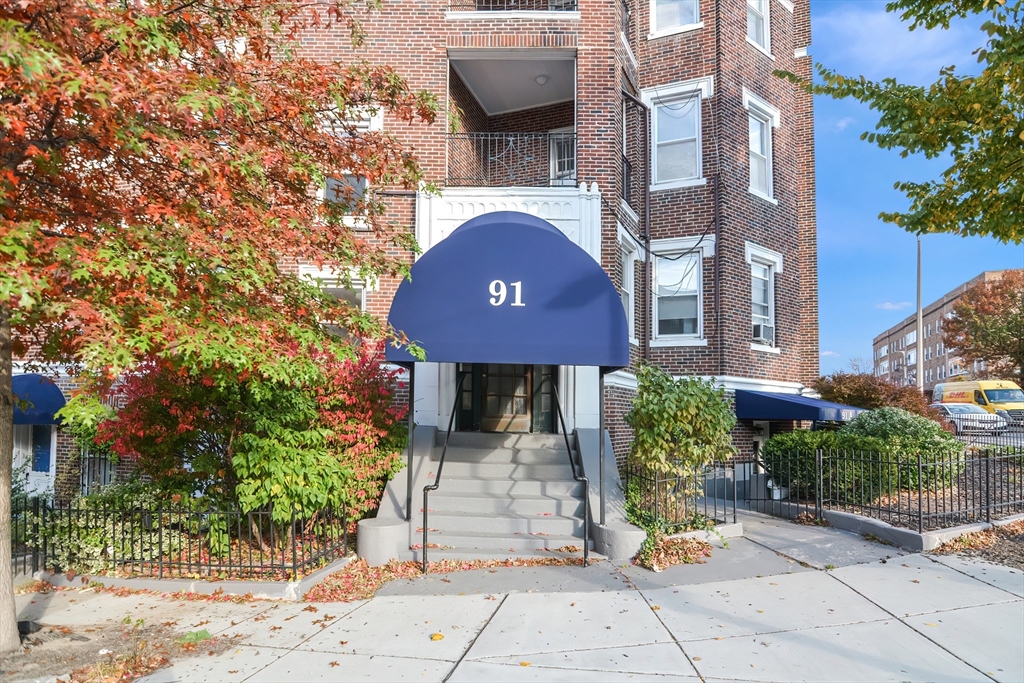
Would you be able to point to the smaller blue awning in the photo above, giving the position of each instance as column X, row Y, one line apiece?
column 761, row 405
column 42, row 396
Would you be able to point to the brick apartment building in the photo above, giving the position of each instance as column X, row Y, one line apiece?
column 895, row 350
column 654, row 135
column 708, row 231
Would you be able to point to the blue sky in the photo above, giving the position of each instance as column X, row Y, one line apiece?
column 867, row 268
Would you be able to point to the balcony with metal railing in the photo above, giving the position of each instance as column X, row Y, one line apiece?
column 511, row 160
column 512, row 5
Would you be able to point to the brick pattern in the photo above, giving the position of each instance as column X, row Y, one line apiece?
column 416, row 37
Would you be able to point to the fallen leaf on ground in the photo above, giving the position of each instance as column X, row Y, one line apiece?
column 524, row 664
column 335, row 664
column 436, row 636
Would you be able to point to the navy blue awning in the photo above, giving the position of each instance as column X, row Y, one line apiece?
column 42, row 399
column 507, row 287
column 761, row 405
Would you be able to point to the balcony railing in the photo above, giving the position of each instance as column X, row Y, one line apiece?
column 512, row 5
column 511, row 160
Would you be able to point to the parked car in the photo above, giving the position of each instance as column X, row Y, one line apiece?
column 1002, row 397
column 970, row 417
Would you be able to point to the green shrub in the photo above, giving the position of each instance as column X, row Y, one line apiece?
column 789, row 459
column 119, row 521
column 874, row 455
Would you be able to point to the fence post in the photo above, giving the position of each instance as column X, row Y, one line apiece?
column 35, row 534
column 160, row 538
column 295, row 558
column 988, row 487
column 920, row 495
column 819, row 461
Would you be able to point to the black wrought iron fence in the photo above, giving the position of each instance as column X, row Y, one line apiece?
column 512, row 5
column 173, row 540
column 923, row 491
column 678, row 502
column 511, row 160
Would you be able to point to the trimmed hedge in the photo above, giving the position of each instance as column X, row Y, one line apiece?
column 874, row 455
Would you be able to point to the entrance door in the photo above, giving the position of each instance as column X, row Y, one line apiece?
column 507, row 398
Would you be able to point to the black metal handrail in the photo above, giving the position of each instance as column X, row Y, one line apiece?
column 511, row 160
column 512, row 5
column 579, row 478
column 440, row 465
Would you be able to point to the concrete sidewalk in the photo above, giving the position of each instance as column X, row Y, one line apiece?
column 765, row 609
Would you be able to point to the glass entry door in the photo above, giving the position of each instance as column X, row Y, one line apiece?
column 506, row 398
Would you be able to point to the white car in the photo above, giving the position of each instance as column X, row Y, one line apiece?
column 968, row 417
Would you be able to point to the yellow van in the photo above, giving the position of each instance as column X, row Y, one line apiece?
column 996, row 396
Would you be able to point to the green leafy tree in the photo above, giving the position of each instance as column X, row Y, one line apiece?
column 988, row 325
column 159, row 165
column 678, row 424
column 977, row 119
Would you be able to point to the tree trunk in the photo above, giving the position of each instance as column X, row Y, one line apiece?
column 9, row 638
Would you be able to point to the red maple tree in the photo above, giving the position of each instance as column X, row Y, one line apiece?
column 988, row 325
column 159, row 164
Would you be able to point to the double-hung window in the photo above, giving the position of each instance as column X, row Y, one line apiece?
column 348, row 290
column 758, row 24
column 349, row 190
column 762, row 118
column 764, row 265
column 677, row 308
column 627, row 282
column 677, row 300
column 670, row 16
column 676, row 134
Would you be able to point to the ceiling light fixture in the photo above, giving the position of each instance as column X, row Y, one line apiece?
column 541, row 80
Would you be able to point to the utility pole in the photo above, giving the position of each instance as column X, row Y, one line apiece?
column 920, row 324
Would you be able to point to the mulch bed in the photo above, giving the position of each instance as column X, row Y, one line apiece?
column 1001, row 545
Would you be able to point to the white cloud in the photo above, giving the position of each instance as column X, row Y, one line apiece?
column 844, row 123
column 893, row 306
column 829, row 354
column 864, row 39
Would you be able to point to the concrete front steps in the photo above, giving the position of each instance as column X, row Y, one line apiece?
column 501, row 496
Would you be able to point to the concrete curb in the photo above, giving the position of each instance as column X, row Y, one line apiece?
column 265, row 590
column 908, row 539
column 724, row 530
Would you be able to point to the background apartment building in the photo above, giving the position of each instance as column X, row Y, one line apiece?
column 653, row 134
column 895, row 350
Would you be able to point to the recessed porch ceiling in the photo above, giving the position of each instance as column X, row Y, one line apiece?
column 505, row 85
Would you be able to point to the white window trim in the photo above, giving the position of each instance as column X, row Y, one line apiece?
column 767, row 47
column 701, row 248
column 787, row 4
column 703, row 88
column 370, row 123
column 319, row 275
column 627, row 242
column 773, row 118
column 551, row 161
column 764, row 348
column 674, row 30
column 655, row 33
column 755, row 253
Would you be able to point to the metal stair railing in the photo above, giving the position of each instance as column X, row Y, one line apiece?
column 440, row 465
column 579, row 478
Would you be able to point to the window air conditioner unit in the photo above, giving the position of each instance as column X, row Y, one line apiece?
column 764, row 334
